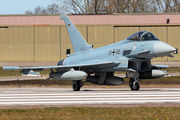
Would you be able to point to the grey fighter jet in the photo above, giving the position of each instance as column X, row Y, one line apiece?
column 132, row 55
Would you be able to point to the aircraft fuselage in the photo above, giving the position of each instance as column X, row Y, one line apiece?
column 118, row 52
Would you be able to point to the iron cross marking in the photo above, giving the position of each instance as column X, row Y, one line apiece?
column 113, row 52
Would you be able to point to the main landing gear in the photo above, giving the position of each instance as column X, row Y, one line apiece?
column 77, row 84
column 133, row 84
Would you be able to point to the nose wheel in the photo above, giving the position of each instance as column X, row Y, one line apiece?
column 133, row 84
column 76, row 85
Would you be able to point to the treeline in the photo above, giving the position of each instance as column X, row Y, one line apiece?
column 108, row 6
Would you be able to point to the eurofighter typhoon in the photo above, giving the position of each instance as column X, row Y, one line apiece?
column 97, row 66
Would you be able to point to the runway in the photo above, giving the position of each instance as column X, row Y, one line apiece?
column 65, row 96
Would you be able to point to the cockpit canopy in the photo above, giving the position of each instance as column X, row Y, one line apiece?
column 143, row 36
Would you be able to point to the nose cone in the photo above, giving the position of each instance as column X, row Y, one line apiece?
column 162, row 49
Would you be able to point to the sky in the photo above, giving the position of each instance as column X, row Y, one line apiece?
column 20, row 6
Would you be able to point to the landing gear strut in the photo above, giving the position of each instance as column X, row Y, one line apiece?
column 133, row 84
column 76, row 85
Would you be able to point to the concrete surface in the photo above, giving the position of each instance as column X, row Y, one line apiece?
column 87, row 96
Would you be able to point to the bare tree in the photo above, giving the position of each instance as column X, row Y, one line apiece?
column 28, row 12
column 95, row 6
column 137, row 6
column 40, row 10
column 73, row 6
column 82, row 6
column 121, row 6
column 165, row 6
column 175, row 5
column 98, row 6
column 117, row 6
column 109, row 6
column 53, row 9
column 37, row 10
column 152, row 6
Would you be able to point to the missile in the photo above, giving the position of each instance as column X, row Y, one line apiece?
column 153, row 74
column 68, row 75
column 30, row 73
column 11, row 68
column 27, row 72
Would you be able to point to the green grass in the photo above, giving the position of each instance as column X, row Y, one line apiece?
column 165, row 81
column 35, row 83
column 17, row 72
column 38, row 83
column 173, row 70
column 47, row 71
column 88, row 113
column 169, row 70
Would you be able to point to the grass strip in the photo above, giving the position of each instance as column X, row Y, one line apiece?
column 47, row 71
column 17, row 72
column 56, row 83
column 88, row 113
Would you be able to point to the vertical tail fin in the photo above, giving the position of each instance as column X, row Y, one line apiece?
column 77, row 40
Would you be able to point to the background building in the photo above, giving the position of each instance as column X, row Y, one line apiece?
column 25, row 38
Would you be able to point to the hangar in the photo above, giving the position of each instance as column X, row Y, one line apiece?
column 44, row 38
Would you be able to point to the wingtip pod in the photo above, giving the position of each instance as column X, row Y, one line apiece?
column 11, row 68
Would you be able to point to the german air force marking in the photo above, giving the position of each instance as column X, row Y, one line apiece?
column 114, row 51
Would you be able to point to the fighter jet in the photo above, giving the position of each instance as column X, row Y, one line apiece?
column 97, row 66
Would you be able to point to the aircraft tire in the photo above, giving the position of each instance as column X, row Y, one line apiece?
column 136, row 86
column 76, row 85
column 132, row 86
column 131, row 83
